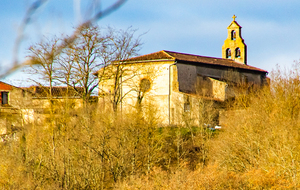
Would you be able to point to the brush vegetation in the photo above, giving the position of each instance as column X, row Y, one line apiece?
column 98, row 146
column 89, row 148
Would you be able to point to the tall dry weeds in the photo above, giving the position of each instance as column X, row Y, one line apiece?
column 92, row 148
column 257, row 149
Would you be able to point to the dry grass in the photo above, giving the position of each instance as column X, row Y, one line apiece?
column 88, row 149
column 258, row 149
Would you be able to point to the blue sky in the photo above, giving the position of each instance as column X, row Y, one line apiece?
column 271, row 28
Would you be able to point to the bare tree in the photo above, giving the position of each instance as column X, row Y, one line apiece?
column 81, row 59
column 70, row 39
column 121, row 46
column 94, row 49
column 43, row 58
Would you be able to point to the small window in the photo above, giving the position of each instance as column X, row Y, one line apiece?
column 4, row 98
column 187, row 107
column 237, row 53
column 233, row 35
column 228, row 53
column 244, row 79
column 145, row 85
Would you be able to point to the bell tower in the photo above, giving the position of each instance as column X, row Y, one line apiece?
column 234, row 47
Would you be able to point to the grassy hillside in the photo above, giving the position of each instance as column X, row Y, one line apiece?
column 90, row 148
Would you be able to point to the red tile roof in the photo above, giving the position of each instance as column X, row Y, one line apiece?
column 5, row 86
column 195, row 59
column 153, row 56
column 57, row 91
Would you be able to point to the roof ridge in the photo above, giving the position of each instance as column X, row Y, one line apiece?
column 159, row 55
column 163, row 51
column 193, row 55
column 166, row 52
column 150, row 53
column 212, row 60
column 165, row 55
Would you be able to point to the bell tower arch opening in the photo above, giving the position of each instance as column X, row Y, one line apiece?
column 235, row 42
column 237, row 53
column 228, row 53
column 233, row 35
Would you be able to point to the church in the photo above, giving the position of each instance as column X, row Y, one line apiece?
column 178, row 83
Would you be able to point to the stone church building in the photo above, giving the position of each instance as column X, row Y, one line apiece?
column 178, row 83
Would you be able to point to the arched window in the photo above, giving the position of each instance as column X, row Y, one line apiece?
column 233, row 35
column 145, row 85
column 237, row 53
column 228, row 53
